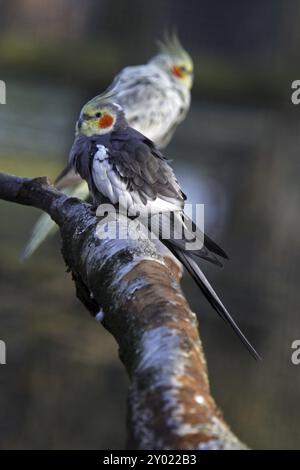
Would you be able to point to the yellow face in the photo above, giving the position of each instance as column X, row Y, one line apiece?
column 174, row 59
column 183, row 71
column 96, row 119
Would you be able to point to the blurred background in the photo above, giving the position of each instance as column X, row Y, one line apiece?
column 237, row 152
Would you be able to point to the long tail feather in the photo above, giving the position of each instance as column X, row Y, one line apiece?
column 207, row 241
column 45, row 225
column 211, row 296
column 212, row 246
column 177, row 223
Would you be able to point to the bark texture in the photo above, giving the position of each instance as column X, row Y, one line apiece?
column 133, row 288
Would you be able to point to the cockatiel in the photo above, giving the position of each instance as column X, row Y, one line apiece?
column 125, row 168
column 155, row 98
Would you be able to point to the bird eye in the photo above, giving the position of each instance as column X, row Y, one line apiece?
column 176, row 71
column 98, row 115
column 183, row 68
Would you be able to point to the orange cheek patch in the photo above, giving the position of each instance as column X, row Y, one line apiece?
column 105, row 121
column 177, row 71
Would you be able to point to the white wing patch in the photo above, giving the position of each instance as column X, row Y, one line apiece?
column 104, row 177
column 108, row 183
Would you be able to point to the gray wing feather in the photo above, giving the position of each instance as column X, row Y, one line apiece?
column 131, row 165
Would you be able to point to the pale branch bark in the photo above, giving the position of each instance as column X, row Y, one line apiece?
column 137, row 292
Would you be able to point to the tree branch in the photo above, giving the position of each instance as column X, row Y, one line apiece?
column 135, row 291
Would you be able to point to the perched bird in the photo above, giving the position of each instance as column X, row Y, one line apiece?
column 125, row 168
column 155, row 98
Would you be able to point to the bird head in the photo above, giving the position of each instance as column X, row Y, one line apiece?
column 174, row 60
column 100, row 116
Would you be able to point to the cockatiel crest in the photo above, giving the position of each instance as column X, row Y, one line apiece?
column 175, row 59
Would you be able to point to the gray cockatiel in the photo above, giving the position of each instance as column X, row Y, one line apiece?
column 155, row 98
column 125, row 168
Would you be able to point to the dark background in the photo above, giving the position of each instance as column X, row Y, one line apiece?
column 238, row 152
